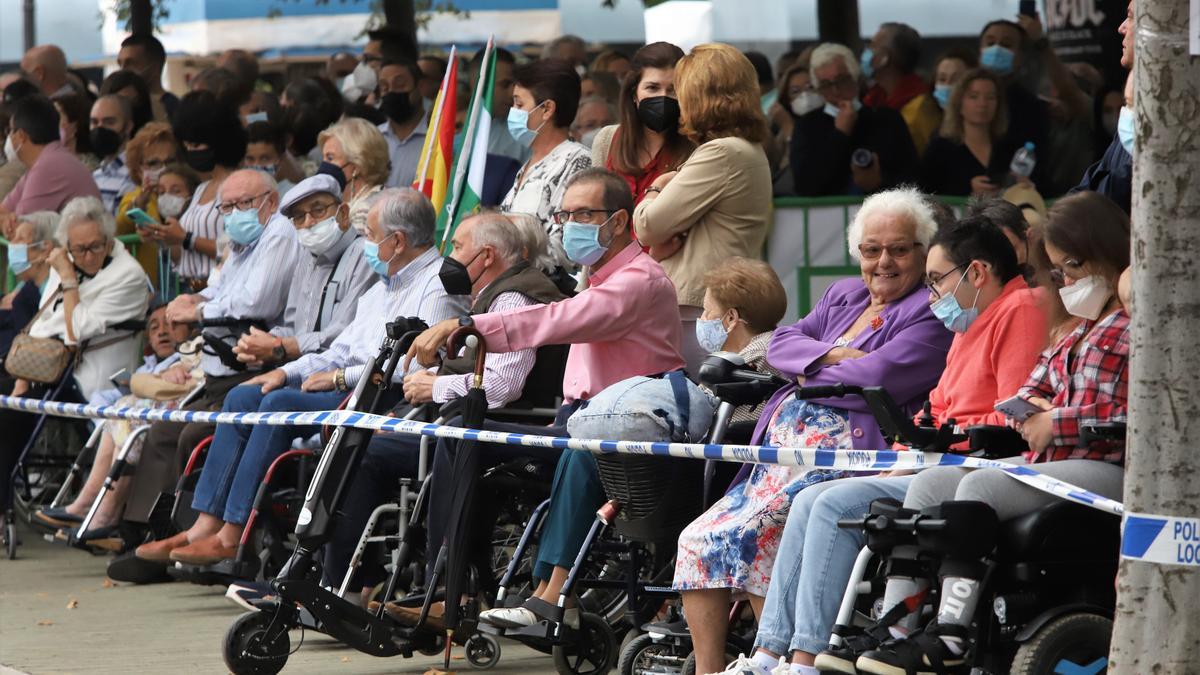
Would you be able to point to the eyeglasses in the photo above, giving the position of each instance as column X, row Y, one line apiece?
column 317, row 211
column 932, row 282
column 227, row 208
column 93, row 249
column 896, row 251
column 1070, row 269
column 154, row 164
column 587, row 216
column 843, row 82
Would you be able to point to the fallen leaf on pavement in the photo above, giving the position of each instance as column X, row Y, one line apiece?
column 45, row 622
column 108, row 583
column 73, row 604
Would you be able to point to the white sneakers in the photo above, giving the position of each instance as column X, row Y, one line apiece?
column 749, row 666
column 519, row 617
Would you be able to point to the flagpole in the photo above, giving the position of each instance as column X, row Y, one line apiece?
column 435, row 121
column 461, row 166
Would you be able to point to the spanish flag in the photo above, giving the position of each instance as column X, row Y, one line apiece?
column 433, row 171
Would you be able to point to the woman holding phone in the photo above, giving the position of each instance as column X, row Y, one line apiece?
column 147, row 155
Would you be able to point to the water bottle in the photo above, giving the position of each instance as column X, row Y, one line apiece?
column 1023, row 161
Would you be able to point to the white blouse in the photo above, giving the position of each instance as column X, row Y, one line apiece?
column 539, row 189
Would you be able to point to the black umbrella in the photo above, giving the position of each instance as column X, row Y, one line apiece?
column 456, row 548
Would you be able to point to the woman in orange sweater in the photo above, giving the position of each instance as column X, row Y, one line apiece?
column 976, row 289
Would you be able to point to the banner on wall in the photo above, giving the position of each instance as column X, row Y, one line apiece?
column 1086, row 30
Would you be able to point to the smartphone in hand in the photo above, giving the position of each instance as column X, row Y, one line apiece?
column 1018, row 409
column 1028, row 8
column 140, row 218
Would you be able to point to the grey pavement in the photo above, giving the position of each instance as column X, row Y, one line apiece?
column 59, row 615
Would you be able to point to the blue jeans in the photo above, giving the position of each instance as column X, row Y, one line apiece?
column 240, row 454
column 814, row 562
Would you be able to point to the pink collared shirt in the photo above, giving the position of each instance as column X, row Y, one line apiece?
column 625, row 324
column 55, row 178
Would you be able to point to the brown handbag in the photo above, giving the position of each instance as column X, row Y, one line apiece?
column 38, row 359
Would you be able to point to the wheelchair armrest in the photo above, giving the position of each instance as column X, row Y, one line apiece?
column 1103, row 432
column 995, row 441
column 747, row 393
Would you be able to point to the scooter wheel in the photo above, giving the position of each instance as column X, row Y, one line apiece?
column 643, row 655
column 1074, row 641
column 246, row 652
column 482, row 651
column 10, row 540
column 590, row 650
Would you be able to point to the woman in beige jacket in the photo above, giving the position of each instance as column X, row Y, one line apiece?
column 717, row 204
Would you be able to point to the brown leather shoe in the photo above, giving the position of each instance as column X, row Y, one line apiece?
column 160, row 551
column 407, row 616
column 207, row 551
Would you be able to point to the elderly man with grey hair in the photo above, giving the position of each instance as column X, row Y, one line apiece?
column 95, row 285
column 399, row 248
column 490, row 263
column 253, row 287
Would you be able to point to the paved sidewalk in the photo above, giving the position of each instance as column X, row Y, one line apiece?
column 58, row 615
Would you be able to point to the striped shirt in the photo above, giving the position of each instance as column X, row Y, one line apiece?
column 404, row 153
column 504, row 373
column 254, row 284
column 416, row 290
column 204, row 222
column 112, row 177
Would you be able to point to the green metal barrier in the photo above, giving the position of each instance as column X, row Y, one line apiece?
column 131, row 242
column 808, row 247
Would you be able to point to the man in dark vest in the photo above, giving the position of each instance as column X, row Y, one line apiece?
column 490, row 263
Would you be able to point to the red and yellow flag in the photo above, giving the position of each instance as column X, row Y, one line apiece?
column 433, row 171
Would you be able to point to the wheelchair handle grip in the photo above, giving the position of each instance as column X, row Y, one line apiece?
column 828, row 391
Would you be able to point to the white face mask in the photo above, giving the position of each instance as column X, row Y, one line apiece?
column 806, row 102
column 321, row 236
column 1087, row 297
column 170, row 206
column 10, row 152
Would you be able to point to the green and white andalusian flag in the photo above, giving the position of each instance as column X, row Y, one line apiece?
column 467, row 176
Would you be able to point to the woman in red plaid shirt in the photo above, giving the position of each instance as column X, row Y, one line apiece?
column 1082, row 380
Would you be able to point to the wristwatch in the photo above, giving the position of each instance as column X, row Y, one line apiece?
column 466, row 321
column 278, row 352
column 187, row 241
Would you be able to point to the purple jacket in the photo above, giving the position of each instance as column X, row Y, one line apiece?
column 905, row 355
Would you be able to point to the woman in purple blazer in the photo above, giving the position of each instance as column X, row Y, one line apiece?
column 874, row 331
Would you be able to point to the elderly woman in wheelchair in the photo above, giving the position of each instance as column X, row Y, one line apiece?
column 976, row 290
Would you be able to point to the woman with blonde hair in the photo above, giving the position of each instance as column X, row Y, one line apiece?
column 969, row 155
column 147, row 155
column 355, row 153
column 715, row 206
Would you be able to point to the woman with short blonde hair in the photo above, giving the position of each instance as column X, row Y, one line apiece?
column 356, row 147
column 715, row 206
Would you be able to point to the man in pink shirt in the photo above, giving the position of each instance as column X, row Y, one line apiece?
column 55, row 176
column 625, row 324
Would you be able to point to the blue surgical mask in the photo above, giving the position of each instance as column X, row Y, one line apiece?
column 952, row 314
column 243, row 226
column 868, row 68
column 371, row 253
column 997, row 59
column 256, row 117
column 941, row 94
column 711, row 334
column 1125, row 129
column 18, row 258
column 581, row 242
column 832, row 110
column 518, row 125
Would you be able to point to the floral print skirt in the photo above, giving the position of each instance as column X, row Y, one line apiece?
column 733, row 544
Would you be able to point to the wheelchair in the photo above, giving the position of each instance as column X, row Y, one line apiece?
column 623, row 571
column 1049, row 596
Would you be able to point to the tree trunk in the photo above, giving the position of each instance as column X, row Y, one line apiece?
column 29, row 33
column 141, row 17
column 399, row 31
column 1156, row 620
column 837, row 21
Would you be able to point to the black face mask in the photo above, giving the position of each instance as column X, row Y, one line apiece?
column 334, row 171
column 659, row 113
column 455, row 277
column 398, row 106
column 104, row 141
column 201, row 160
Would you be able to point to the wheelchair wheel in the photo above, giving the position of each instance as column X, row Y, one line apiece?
column 482, row 651
column 1075, row 641
column 592, row 650
column 733, row 649
column 10, row 539
column 643, row 656
column 245, row 652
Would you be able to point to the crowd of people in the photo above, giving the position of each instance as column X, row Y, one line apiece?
column 627, row 201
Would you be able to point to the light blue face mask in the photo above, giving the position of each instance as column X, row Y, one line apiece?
column 947, row 309
column 941, row 94
column 18, row 258
column 371, row 253
column 518, row 125
column 997, row 59
column 864, row 62
column 711, row 335
column 581, row 241
column 832, row 110
column 243, row 226
column 1126, row 128
column 256, row 117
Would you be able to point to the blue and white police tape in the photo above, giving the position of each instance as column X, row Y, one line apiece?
column 1161, row 539
column 845, row 460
